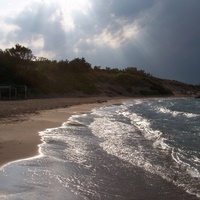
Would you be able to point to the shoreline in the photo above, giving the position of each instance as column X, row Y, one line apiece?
column 19, row 135
column 20, row 140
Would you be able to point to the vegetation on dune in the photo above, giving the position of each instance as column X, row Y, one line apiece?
column 18, row 65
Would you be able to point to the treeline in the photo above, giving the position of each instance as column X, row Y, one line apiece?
column 18, row 66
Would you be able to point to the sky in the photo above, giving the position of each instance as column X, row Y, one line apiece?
column 161, row 37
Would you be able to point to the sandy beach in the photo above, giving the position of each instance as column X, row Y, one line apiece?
column 21, row 122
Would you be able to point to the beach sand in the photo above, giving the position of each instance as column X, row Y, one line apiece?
column 21, row 122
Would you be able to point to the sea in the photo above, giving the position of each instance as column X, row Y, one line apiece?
column 136, row 150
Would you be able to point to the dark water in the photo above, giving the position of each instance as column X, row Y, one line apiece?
column 141, row 149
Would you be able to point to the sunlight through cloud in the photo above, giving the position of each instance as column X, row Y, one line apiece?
column 116, row 39
column 70, row 8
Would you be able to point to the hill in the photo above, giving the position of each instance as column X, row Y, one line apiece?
column 43, row 77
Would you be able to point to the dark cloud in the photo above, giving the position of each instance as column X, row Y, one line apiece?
column 166, row 43
column 169, row 37
column 174, row 38
column 129, row 8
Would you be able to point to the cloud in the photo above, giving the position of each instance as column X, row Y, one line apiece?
column 159, row 36
column 39, row 23
column 101, row 25
column 167, row 37
column 173, row 37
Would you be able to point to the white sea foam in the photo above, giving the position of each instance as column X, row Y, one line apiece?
column 142, row 124
column 178, row 156
column 176, row 113
column 116, row 146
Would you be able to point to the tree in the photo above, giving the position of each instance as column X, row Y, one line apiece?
column 131, row 70
column 97, row 68
column 78, row 65
column 42, row 59
column 20, row 52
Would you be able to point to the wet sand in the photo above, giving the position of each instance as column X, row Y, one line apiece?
column 21, row 122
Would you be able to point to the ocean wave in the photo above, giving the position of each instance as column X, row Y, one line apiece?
column 142, row 124
column 183, row 163
column 185, row 175
column 176, row 113
column 115, row 136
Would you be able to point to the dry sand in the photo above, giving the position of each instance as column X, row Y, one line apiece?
column 21, row 122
